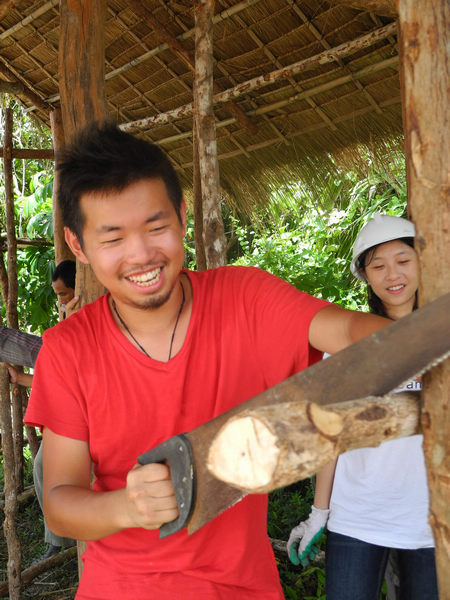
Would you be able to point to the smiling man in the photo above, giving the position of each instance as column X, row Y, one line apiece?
column 162, row 352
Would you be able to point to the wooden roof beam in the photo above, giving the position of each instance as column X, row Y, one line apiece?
column 174, row 44
column 28, row 19
column 385, row 8
column 28, row 92
column 320, row 38
column 305, row 130
column 326, row 57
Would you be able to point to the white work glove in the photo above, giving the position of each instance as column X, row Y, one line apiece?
column 301, row 546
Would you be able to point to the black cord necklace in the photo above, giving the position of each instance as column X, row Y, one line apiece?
column 141, row 348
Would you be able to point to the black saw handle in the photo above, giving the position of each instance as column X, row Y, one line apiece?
column 177, row 453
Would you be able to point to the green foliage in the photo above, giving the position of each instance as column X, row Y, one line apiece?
column 309, row 243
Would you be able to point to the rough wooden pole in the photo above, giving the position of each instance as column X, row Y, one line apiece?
column 271, row 447
column 62, row 251
column 424, row 62
column 82, row 90
column 7, row 421
column 213, row 234
column 200, row 256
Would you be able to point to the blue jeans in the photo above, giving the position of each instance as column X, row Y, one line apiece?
column 354, row 570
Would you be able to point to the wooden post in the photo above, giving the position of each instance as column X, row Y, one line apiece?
column 200, row 256
column 82, row 90
column 62, row 251
column 213, row 234
column 9, row 425
column 424, row 70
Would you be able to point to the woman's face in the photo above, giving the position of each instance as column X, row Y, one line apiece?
column 391, row 270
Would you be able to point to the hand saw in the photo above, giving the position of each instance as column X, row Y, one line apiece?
column 373, row 366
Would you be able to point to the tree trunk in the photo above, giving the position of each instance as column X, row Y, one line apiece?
column 200, row 256
column 423, row 35
column 213, row 234
column 82, row 90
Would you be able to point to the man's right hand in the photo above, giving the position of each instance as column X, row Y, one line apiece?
column 150, row 497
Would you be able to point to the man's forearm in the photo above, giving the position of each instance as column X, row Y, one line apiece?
column 84, row 514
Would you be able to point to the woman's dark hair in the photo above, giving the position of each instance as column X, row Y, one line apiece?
column 66, row 270
column 375, row 304
column 103, row 158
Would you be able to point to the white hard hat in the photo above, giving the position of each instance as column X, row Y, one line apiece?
column 380, row 229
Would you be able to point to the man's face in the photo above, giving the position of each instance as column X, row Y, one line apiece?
column 63, row 293
column 133, row 241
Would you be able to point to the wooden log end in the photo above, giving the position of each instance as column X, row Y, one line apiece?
column 327, row 422
column 244, row 454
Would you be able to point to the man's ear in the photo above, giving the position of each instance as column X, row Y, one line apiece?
column 74, row 244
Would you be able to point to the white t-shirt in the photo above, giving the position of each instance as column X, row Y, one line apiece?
column 380, row 495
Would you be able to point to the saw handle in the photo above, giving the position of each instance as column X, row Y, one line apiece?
column 177, row 453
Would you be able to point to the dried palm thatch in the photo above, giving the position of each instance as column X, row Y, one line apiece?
column 302, row 87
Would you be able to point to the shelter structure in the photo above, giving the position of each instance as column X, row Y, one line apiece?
column 246, row 95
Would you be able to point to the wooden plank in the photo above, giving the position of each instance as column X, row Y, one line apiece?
column 424, row 74
column 328, row 56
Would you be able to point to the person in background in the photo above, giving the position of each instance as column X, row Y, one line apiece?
column 379, row 497
column 18, row 347
column 63, row 283
column 164, row 351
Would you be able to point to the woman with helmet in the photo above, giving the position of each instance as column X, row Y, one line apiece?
column 379, row 496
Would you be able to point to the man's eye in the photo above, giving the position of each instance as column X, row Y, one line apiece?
column 112, row 241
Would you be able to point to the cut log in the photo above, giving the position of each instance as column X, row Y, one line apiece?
column 271, row 447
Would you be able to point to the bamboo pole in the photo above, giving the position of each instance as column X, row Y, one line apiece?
column 213, row 234
column 423, row 39
column 343, row 50
column 266, row 448
column 8, row 422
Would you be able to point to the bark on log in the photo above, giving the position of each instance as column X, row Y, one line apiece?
column 274, row 446
column 213, row 233
column 81, row 69
column 423, row 35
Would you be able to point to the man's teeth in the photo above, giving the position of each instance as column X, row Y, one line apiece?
column 394, row 288
column 146, row 278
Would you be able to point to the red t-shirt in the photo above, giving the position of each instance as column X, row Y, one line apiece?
column 248, row 331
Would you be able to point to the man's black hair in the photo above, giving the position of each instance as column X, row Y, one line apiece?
column 102, row 158
column 66, row 270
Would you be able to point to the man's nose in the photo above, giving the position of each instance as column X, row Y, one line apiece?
column 140, row 249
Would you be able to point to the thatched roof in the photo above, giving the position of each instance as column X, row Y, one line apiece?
column 304, row 114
